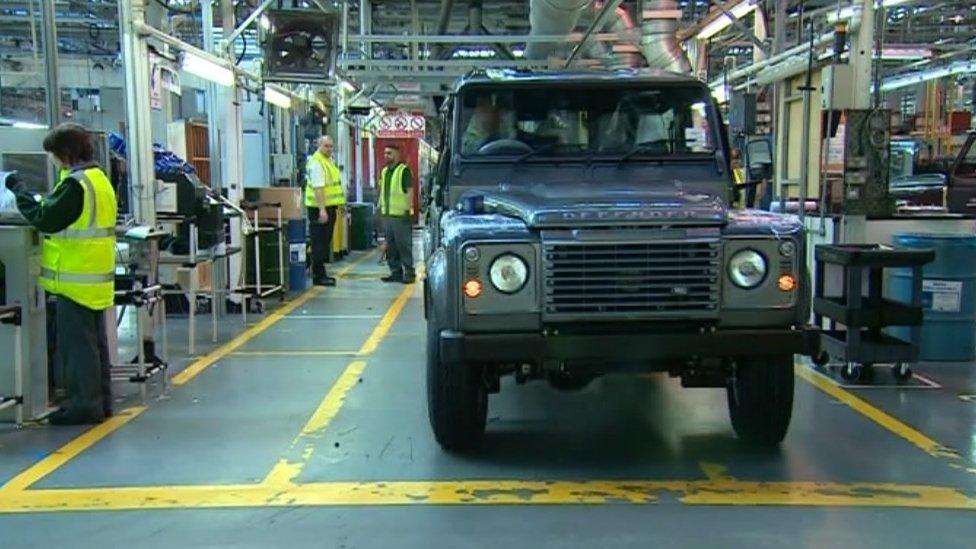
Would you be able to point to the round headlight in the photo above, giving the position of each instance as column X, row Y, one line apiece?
column 747, row 269
column 508, row 273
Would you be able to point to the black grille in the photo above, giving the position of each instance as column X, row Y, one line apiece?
column 669, row 279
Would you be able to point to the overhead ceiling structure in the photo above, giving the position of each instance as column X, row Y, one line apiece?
column 399, row 50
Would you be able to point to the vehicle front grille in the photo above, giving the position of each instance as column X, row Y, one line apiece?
column 631, row 280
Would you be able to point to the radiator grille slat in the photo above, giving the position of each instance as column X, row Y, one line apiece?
column 654, row 280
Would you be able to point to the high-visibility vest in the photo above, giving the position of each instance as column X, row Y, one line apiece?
column 79, row 262
column 393, row 200
column 334, row 194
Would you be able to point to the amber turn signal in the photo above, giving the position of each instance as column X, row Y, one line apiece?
column 787, row 283
column 472, row 288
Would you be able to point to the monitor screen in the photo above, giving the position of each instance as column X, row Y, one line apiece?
column 35, row 170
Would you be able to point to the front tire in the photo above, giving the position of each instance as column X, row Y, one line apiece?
column 760, row 396
column 457, row 399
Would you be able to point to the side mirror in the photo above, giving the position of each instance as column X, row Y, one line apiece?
column 759, row 158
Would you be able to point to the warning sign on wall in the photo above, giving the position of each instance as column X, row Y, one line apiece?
column 401, row 124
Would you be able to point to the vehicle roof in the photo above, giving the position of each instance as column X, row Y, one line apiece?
column 503, row 76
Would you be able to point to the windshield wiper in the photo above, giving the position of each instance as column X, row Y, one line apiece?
column 646, row 147
column 545, row 148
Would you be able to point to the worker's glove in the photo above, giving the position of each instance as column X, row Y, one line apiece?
column 12, row 181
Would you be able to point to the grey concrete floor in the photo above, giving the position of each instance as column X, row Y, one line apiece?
column 234, row 422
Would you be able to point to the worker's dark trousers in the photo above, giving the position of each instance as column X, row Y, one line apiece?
column 321, row 235
column 82, row 354
column 398, row 232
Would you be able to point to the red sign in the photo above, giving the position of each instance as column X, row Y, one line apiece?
column 401, row 124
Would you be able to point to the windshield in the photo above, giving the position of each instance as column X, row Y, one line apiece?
column 572, row 120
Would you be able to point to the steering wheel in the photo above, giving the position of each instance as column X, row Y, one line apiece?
column 500, row 145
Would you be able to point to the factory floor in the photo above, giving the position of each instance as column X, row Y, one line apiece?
column 309, row 428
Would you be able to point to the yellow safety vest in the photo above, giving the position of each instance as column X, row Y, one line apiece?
column 79, row 262
column 393, row 201
column 334, row 194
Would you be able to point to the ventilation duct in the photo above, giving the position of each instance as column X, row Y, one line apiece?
column 552, row 17
column 658, row 42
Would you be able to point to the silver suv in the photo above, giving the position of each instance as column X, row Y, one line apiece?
column 579, row 224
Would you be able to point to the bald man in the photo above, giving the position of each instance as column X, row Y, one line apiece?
column 324, row 196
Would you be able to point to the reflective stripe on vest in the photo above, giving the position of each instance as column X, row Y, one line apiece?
column 79, row 262
column 393, row 200
column 335, row 195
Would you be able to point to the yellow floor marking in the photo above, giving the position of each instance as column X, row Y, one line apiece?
column 883, row 419
column 487, row 492
column 716, row 472
column 295, row 353
column 195, row 369
column 62, row 455
column 212, row 357
column 286, row 470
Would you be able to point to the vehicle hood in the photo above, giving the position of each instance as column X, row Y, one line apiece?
column 565, row 205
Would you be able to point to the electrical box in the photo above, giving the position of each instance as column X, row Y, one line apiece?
column 857, row 162
column 837, row 87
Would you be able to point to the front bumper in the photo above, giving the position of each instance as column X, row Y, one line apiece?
column 532, row 347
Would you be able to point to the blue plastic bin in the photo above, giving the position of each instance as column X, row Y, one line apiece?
column 948, row 294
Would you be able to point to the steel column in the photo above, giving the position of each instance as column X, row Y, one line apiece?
column 50, row 39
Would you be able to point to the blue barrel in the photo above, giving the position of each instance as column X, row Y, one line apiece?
column 948, row 294
column 297, row 279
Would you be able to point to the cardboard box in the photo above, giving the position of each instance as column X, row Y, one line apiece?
column 291, row 199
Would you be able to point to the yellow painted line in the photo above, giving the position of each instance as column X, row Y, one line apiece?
column 209, row 359
column 490, row 492
column 296, row 353
column 64, row 454
column 387, row 321
column 287, row 470
column 193, row 370
column 354, row 263
column 876, row 415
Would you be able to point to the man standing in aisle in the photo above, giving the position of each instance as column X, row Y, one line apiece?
column 78, row 266
column 396, row 209
column 323, row 197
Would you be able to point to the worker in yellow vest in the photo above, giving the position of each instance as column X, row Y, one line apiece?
column 396, row 211
column 324, row 196
column 78, row 266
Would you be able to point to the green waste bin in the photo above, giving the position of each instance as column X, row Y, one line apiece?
column 361, row 226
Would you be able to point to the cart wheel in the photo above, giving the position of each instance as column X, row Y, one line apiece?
column 860, row 373
column 902, row 372
column 850, row 371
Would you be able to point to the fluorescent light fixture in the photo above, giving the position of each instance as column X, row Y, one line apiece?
column 29, row 126
column 911, row 79
column 723, row 21
column 207, row 69
column 276, row 97
column 905, row 53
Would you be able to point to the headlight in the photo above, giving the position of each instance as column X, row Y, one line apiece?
column 508, row 273
column 747, row 269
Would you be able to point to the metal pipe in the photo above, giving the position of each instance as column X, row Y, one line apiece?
column 552, row 17
column 805, row 132
column 598, row 22
column 658, row 42
column 50, row 38
column 246, row 23
column 572, row 37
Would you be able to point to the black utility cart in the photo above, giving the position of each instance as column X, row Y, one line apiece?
column 863, row 312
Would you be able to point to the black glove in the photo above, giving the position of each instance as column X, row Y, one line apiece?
column 12, row 181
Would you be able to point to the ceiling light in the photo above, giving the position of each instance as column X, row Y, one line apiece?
column 23, row 125
column 911, row 79
column 208, row 70
column 277, row 97
column 723, row 21
column 905, row 53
